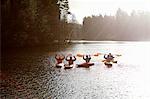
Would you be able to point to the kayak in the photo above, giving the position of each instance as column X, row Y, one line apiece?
column 108, row 64
column 59, row 65
column 87, row 65
column 67, row 66
column 110, row 61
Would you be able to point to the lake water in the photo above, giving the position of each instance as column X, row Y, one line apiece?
column 32, row 73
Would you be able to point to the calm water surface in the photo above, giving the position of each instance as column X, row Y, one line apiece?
column 32, row 74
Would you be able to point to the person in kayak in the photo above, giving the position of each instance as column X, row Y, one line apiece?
column 109, row 57
column 59, row 58
column 87, row 58
column 71, row 59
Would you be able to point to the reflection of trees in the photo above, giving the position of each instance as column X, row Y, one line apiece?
column 120, row 27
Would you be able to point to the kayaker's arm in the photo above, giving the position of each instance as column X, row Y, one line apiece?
column 56, row 56
column 105, row 56
column 89, row 56
column 84, row 58
column 112, row 56
column 63, row 58
column 74, row 58
column 67, row 58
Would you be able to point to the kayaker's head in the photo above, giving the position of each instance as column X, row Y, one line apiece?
column 70, row 58
column 109, row 54
column 86, row 56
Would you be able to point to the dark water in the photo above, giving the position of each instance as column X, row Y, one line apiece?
column 32, row 73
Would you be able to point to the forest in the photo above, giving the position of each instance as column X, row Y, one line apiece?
column 33, row 22
column 122, row 26
column 28, row 23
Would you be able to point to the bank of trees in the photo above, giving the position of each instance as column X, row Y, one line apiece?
column 32, row 22
column 37, row 22
column 120, row 27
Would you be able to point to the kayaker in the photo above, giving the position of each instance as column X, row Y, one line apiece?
column 59, row 58
column 87, row 58
column 71, row 59
column 109, row 57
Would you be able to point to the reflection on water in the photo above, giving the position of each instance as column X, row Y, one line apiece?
column 33, row 74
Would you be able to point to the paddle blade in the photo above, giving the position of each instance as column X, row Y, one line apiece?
column 103, row 60
column 118, row 55
column 97, row 54
column 79, row 55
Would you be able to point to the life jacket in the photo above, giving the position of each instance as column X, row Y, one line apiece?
column 87, row 59
column 70, row 61
column 59, row 60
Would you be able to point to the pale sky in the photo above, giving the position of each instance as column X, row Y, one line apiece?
column 82, row 8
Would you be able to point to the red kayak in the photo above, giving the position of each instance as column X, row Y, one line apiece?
column 86, row 65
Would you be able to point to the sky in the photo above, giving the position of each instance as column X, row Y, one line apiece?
column 82, row 8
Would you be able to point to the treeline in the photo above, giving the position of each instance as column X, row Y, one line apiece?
column 32, row 22
column 41, row 22
column 135, row 26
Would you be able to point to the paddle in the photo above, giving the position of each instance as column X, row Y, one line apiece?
column 118, row 55
column 97, row 54
column 80, row 55
column 103, row 60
